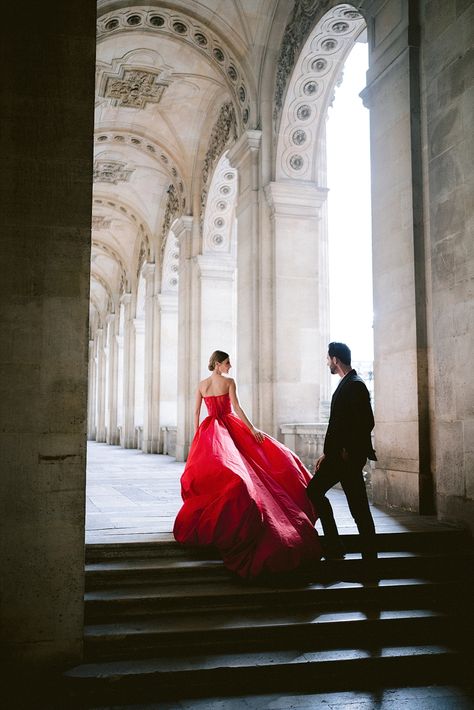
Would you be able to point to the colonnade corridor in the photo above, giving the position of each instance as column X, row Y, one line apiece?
column 134, row 497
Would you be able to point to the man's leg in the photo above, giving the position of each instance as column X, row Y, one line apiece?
column 324, row 479
column 356, row 494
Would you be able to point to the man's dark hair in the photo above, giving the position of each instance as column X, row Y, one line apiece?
column 341, row 351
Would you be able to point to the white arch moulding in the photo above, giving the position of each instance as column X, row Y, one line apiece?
column 310, row 91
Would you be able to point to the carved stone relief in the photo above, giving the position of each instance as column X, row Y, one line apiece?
column 172, row 210
column 171, row 23
column 100, row 222
column 223, row 135
column 302, row 21
column 111, row 171
column 133, row 88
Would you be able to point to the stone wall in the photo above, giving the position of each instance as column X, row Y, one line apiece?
column 448, row 97
column 46, row 149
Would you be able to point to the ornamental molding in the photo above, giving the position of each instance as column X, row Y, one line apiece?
column 311, row 91
column 109, row 138
column 172, row 211
column 223, row 135
column 98, row 278
column 122, row 210
column 305, row 13
column 142, row 256
column 111, row 171
column 162, row 21
column 115, row 256
column 218, row 227
column 170, row 269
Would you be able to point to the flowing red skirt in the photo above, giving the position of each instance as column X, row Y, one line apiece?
column 247, row 499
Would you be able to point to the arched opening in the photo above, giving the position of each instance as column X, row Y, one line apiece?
column 298, row 198
column 218, row 265
column 349, row 214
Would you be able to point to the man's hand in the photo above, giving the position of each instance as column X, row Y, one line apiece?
column 318, row 462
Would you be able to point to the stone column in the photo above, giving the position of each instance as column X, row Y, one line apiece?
column 112, row 374
column 46, row 191
column 244, row 156
column 101, row 374
column 295, row 208
column 139, row 400
column 402, row 476
column 217, row 275
column 151, row 406
column 168, row 359
column 189, row 322
column 128, row 416
column 91, row 398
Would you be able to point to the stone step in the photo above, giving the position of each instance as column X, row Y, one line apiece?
column 256, row 629
column 295, row 668
column 151, row 599
column 446, row 538
column 396, row 563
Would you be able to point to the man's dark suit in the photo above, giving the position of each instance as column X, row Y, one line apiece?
column 347, row 447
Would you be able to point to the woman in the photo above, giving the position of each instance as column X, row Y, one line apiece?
column 243, row 491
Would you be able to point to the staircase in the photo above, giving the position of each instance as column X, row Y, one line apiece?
column 164, row 621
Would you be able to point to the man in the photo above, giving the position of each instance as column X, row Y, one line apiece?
column 347, row 447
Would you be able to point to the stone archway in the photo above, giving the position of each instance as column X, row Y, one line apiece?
column 297, row 199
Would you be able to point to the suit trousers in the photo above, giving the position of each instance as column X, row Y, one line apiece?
column 349, row 474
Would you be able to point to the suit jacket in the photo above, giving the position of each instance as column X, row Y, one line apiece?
column 351, row 421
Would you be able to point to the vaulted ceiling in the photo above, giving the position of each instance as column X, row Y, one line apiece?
column 164, row 71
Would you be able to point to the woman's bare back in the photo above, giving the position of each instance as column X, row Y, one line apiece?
column 215, row 385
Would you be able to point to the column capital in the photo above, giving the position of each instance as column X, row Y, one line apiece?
column 249, row 142
column 126, row 299
column 182, row 225
column 148, row 270
column 139, row 325
column 295, row 198
column 168, row 302
column 215, row 266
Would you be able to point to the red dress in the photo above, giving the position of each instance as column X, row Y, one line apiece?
column 247, row 499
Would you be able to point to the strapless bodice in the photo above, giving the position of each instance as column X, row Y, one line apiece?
column 218, row 405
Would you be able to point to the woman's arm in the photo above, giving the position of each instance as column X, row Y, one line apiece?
column 197, row 409
column 259, row 435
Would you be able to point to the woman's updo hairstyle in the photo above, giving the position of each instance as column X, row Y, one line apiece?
column 217, row 356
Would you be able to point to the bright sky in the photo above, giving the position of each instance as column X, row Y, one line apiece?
column 350, row 257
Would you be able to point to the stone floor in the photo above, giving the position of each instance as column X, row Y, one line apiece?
column 134, row 496
column 424, row 698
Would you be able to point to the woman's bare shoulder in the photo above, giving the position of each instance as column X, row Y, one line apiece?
column 204, row 385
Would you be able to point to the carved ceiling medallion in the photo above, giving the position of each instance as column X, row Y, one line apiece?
column 133, row 88
column 111, row 171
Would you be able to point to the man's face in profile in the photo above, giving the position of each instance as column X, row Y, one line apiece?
column 331, row 361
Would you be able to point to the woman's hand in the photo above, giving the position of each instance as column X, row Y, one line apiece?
column 259, row 435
